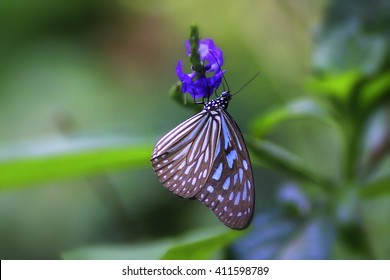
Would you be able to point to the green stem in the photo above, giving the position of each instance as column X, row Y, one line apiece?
column 194, row 43
column 353, row 142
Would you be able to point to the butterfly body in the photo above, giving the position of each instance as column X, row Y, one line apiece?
column 206, row 158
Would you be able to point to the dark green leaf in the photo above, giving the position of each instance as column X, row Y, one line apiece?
column 375, row 91
column 377, row 188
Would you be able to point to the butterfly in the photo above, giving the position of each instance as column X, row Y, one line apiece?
column 206, row 158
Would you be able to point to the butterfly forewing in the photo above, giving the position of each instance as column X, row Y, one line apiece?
column 229, row 190
column 182, row 159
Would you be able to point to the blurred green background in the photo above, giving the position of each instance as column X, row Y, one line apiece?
column 84, row 97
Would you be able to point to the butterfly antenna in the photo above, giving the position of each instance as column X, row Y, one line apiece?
column 202, row 74
column 247, row 83
column 223, row 76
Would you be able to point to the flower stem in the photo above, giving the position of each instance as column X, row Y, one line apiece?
column 194, row 43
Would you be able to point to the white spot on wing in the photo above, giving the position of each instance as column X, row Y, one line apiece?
column 206, row 155
column 241, row 173
column 230, row 157
column 244, row 193
column 218, row 172
column 199, row 163
column 235, row 178
column 187, row 171
column 218, row 148
column 226, row 184
column 237, row 199
column 181, row 165
column 245, row 164
column 226, row 133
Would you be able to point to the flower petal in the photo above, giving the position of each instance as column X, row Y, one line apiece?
column 201, row 84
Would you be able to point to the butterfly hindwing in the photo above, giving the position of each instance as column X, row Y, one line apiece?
column 229, row 190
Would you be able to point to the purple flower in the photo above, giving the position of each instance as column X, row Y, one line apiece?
column 203, row 84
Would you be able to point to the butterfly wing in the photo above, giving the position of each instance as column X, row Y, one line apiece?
column 182, row 159
column 229, row 190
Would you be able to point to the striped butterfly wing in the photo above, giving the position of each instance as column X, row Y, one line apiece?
column 183, row 158
column 229, row 190
column 206, row 157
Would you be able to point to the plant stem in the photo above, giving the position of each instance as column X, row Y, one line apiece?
column 353, row 142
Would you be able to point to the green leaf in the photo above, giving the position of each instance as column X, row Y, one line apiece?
column 205, row 248
column 177, row 95
column 148, row 251
column 199, row 244
column 374, row 91
column 375, row 217
column 377, row 188
column 346, row 43
column 56, row 161
column 338, row 85
column 297, row 109
column 282, row 160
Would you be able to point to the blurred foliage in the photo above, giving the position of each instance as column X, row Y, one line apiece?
column 83, row 99
column 92, row 158
column 200, row 245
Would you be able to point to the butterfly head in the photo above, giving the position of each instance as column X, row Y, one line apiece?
column 221, row 102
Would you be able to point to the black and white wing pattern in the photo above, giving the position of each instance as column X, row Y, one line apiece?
column 182, row 159
column 206, row 157
column 229, row 190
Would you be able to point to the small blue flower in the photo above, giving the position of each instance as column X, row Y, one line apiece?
column 203, row 84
